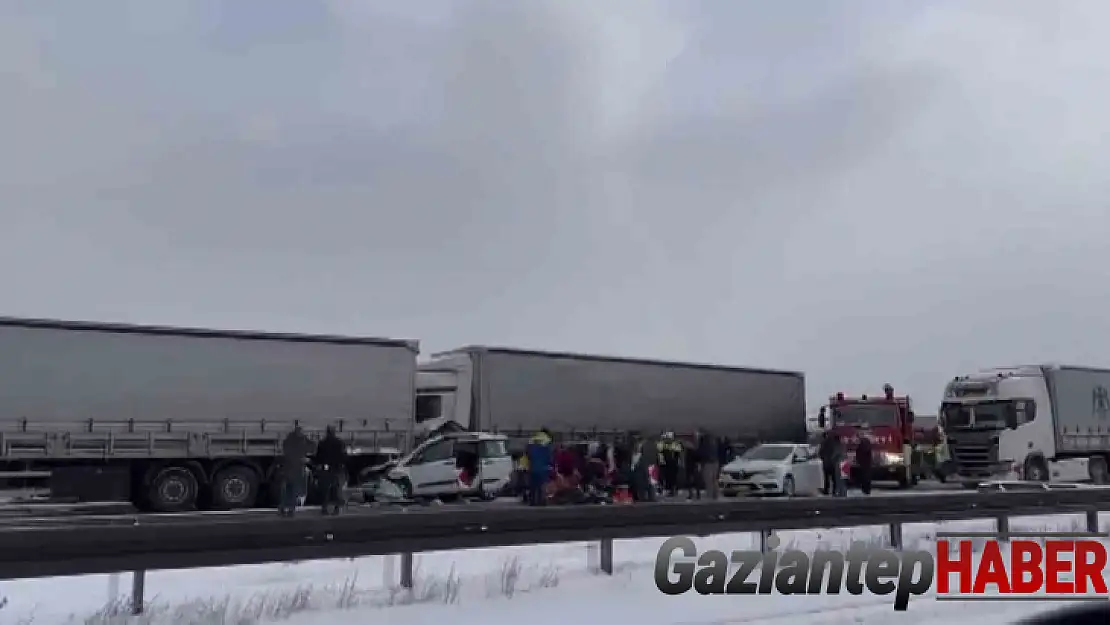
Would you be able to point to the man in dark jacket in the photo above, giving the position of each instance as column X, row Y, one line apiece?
column 642, row 488
column 832, row 454
column 863, row 464
column 331, row 461
column 294, row 461
column 708, row 452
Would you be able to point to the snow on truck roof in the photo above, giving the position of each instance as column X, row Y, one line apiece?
column 490, row 349
column 126, row 328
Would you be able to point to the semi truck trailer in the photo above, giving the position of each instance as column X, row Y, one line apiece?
column 176, row 419
column 516, row 391
column 1037, row 422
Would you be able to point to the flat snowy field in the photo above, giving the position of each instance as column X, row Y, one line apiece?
column 539, row 585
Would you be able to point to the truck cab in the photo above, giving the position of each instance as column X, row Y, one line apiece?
column 887, row 420
column 443, row 395
column 1000, row 425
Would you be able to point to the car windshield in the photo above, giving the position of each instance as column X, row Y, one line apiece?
column 867, row 414
column 768, row 452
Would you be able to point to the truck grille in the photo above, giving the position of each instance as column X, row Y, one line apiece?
column 973, row 451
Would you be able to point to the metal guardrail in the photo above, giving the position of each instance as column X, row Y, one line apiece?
column 150, row 542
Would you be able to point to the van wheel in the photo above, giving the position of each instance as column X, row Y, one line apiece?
column 1036, row 470
column 405, row 486
column 235, row 487
column 173, row 489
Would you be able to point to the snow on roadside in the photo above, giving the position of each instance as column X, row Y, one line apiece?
column 479, row 575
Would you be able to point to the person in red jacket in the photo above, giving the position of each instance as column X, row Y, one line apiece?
column 565, row 463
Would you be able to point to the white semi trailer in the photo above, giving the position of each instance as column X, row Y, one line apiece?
column 1038, row 422
column 516, row 391
column 175, row 419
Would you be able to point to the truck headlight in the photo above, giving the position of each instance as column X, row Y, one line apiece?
column 890, row 458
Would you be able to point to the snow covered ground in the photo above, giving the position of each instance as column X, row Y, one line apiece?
column 535, row 584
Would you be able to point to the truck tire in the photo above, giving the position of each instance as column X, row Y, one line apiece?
column 235, row 487
column 1096, row 466
column 173, row 489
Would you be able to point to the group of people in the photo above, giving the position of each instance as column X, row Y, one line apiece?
column 836, row 466
column 584, row 471
column 300, row 459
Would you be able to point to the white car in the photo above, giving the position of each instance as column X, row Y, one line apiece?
column 458, row 464
column 786, row 469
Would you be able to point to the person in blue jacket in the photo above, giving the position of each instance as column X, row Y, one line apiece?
column 540, row 456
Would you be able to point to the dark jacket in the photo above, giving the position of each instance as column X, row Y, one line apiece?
column 649, row 452
column 831, row 451
column 331, row 452
column 708, row 449
column 863, row 453
column 294, row 455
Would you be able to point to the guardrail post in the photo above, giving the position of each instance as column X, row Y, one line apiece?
column 406, row 570
column 1092, row 521
column 765, row 537
column 138, row 585
column 607, row 556
column 1002, row 524
column 896, row 536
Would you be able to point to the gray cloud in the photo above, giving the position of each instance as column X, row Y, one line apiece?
column 868, row 195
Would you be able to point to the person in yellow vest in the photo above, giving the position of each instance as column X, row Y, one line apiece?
column 670, row 457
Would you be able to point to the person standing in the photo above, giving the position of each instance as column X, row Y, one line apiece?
column 331, row 460
column 864, row 463
column 669, row 454
column 710, row 469
column 294, row 464
column 540, row 458
column 641, row 472
column 832, row 454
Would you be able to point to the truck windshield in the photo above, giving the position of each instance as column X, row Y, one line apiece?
column 986, row 414
column 428, row 407
column 866, row 414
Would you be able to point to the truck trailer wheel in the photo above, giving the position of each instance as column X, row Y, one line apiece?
column 235, row 487
column 173, row 489
column 1097, row 468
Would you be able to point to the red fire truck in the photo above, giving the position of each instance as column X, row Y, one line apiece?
column 888, row 421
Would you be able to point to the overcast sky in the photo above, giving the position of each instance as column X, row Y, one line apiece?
column 870, row 192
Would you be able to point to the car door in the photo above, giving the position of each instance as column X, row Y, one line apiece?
column 807, row 471
column 433, row 471
column 496, row 465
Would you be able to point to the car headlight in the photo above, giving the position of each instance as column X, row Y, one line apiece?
column 892, row 458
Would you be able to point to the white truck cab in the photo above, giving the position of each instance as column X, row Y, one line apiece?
column 1025, row 422
column 443, row 394
column 457, row 464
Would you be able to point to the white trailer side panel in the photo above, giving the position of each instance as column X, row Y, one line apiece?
column 54, row 372
column 521, row 390
column 1081, row 402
